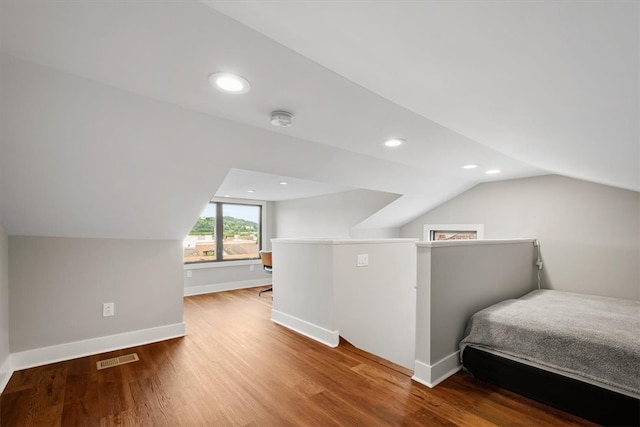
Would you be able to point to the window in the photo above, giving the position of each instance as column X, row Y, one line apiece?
column 437, row 235
column 225, row 232
column 440, row 232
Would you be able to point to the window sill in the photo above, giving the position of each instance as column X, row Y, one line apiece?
column 204, row 265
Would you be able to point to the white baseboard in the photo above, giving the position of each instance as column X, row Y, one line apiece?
column 6, row 370
column 57, row 353
column 325, row 336
column 432, row 375
column 221, row 287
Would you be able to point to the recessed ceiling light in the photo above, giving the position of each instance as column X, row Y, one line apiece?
column 283, row 183
column 251, row 191
column 492, row 171
column 229, row 83
column 470, row 166
column 394, row 142
column 227, row 195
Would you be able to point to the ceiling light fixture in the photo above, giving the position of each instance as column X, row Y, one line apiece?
column 394, row 142
column 470, row 166
column 229, row 83
column 251, row 191
column 281, row 118
column 283, row 183
column 492, row 171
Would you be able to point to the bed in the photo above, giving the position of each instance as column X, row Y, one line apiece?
column 580, row 353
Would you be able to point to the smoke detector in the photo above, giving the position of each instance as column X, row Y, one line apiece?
column 281, row 118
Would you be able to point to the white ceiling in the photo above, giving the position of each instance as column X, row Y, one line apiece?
column 553, row 84
column 252, row 185
column 527, row 87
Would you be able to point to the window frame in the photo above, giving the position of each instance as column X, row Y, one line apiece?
column 429, row 228
column 190, row 265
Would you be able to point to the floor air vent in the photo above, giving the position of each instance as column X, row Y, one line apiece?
column 115, row 361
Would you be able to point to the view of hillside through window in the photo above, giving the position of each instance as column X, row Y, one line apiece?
column 438, row 235
column 236, row 236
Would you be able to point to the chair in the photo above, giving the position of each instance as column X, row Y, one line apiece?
column 265, row 256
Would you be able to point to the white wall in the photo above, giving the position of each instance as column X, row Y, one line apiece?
column 303, row 288
column 58, row 285
column 5, row 370
column 218, row 278
column 4, row 271
column 331, row 216
column 590, row 233
column 319, row 291
column 455, row 280
column 375, row 306
column 3, row 155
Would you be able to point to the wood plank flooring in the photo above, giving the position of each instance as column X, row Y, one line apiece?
column 237, row 368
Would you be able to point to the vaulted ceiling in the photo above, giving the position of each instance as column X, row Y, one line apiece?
column 110, row 128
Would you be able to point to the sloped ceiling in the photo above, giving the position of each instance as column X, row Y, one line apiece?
column 110, row 129
column 246, row 184
column 554, row 84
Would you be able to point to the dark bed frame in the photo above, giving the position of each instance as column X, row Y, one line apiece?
column 585, row 400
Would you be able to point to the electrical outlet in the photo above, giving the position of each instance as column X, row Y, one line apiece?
column 189, row 273
column 252, row 267
column 362, row 260
column 108, row 309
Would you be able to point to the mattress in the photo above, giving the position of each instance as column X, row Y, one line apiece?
column 590, row 338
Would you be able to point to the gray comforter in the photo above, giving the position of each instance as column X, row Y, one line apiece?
column 592, row 337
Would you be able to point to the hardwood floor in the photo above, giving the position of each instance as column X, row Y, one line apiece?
column 236, row 367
